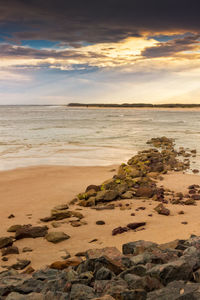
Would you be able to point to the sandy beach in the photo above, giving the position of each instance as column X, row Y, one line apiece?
column 30, row 193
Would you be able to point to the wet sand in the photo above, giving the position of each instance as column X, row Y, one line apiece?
column 36, row 190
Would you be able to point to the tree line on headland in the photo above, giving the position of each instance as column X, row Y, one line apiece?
column 129, row 105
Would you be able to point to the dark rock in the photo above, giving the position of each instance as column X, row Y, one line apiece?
column 56, row 237
column 5, row 242
column 176, row 290
column 137, row 247
column 21, row 264
column 137, row 294
column 11, row 216
column 93, row 187
column 175, row 270
column 162, row 210
column 147, row 283
column 100, row 222
column 81, row 292
column 145, row 191
column 119, row 230
column 104, row 274
column 135, row 225
column 10, row 250
column 14, row 228
column 28, row 231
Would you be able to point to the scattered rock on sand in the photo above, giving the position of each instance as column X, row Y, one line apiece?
column 60, row 265
column 28, row 231
column 119, row 230
column 100, row 222
column 162, row 210
column 135, row 225
column 10, row 250
column 11, row 216
column 14, row 228
column 27, row 249
column 5, row 242
column 21, row 264
column 56, row 237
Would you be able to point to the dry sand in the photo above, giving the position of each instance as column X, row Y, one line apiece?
column 36, row 190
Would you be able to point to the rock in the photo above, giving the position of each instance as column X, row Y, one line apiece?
column 21, row 264
column 28, row 231
column 28, row 270
column 119, row 230
column 105, row 297
column 106, row 195
column 14, row 228
column 110, row 252
column 176, row 290
column 92, row 241
column 137, row 294
column 146, row 282
column 175, row 270
column 60, row 265
column 195, row 171
column 136, row 225
column 81, row 292
column 27, row 249
column 11, row 216
column 62, row 214
column 56, row 224
column 189, row 202
column 5, row 242
column 196, row 197
column 61, row 207
column 4, row 258
column 145, row 191
column 10, row 250
column 138, row 247
column 181, row 212
column 162, row 210
column 100, row 222
column 56, row 237
column 104, row 274
column 93, row 187
column 31, row 296
column 127, row 195
column 75, row 223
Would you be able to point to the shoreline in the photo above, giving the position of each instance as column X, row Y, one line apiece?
column 31, row 192
column 170, row 109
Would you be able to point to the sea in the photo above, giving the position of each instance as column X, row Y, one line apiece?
column 61, row 135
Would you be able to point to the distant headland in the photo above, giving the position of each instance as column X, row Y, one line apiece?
column 134, row 105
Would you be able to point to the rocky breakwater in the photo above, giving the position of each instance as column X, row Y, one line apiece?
column 144, row 270
column 137, row 178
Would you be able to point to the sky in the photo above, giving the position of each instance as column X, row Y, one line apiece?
column 99, row 51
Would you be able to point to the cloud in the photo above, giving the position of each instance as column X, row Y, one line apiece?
column 96, row 21
column 170, row 48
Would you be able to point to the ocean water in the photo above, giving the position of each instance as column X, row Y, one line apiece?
column 58, row 135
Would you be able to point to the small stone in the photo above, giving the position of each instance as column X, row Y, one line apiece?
column 195, row 171
column 119, row 230
column 92, row 241
column 184, row 222
column 10, row 250
column 136, row 225
column 11, row 216
column 56, row 237
column 60, row 265
column 150, row 215
column 5, row 242
column 181, row 212
column 28, row 270
column 27, row 249
column 21, row 264
column 100, row 222
column 133, row 214
column 14, row 228
column 162, row 210
column 56, row 224
column 75, row 223
column 4, row 258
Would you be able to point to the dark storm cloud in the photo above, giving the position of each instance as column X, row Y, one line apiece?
column 95, row 21
column 173, row 47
